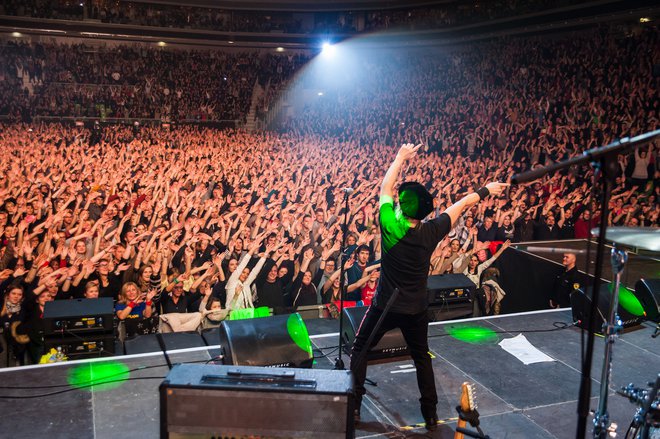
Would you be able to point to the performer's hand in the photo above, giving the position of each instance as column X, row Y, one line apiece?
column 496, row 188
column 408, row 151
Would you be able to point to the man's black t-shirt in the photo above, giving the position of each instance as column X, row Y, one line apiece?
column 565, row 284
column 406, row 258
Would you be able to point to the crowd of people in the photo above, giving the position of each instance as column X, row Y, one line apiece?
column 443, row 15
column 128, row 82
column 208, row 223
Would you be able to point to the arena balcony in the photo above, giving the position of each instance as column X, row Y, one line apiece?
column 298, row 24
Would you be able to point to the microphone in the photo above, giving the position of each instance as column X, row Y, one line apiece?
column 535, row 249
column 348, row 190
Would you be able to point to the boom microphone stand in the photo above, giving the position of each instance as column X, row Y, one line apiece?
column 604, row 161
column 339, row 362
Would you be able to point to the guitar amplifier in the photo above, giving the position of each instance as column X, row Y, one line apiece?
column 246, row 401
column 77, row 348
column 449, row 296
column 78, row 316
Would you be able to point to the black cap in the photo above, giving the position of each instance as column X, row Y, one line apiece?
column 415, row 201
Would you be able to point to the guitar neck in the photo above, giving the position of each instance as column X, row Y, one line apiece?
column 460, row 424
column 466, row 405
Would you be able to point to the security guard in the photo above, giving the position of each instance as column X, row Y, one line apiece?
column 566, row 283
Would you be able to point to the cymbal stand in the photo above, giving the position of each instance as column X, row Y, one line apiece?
column 611, row 329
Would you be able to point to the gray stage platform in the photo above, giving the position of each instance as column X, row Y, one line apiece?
column 515, row 401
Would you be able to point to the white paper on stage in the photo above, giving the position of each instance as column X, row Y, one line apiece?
column 523, row 350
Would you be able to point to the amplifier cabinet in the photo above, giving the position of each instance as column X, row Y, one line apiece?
column 79, row 316
column 450, row 296
column 248, row 401
column 77, row 348
column 449, row 288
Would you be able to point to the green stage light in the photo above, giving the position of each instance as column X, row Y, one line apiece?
column 629, row 302
column 297, row 330
column 473, row 334
column 98, row 376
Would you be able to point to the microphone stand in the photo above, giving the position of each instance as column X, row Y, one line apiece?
column 603, row 159
column 339, row 362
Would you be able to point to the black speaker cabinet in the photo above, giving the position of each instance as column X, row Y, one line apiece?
column 647, row 292
column 242, row 401
column 277, row 341
column 581, row 304
column 391, row 346
column 78, row 316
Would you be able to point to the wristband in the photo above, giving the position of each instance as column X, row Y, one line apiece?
column 148, row 302
column 483, row 192
column 131, row 305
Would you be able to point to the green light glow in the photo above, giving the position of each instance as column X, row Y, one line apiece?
column 393, row 224
column 473, row 334
column 629, row 302
column 97, row 374
column 409, row 202
column 297, row 330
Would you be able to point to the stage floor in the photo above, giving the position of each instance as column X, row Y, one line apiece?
column 515, row 401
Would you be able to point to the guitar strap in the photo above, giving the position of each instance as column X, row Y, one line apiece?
column 471, row 416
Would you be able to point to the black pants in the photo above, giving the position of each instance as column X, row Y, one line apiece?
column 415, row 331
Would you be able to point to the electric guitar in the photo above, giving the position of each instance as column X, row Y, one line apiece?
column 468, row 404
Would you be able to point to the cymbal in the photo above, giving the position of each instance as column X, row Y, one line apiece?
column 647, row 238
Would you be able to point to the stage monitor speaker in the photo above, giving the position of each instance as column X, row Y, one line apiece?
column 647, row 292
column 241, row 401
column 143, row 344
column 78, row 316
column 276, row 341
column 391, row 346
column 581, row 305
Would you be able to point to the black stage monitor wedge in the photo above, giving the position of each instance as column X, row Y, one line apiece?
column 391, row 346
column 450, row 296
column 581, row 304
column 78, row 316
column 277, row 341
column 242, row 401
column 647, row 291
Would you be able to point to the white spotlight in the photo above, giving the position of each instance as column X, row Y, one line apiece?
column 328, row 49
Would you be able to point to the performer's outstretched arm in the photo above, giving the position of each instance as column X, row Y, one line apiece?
column 456, row 210
column 407, row 151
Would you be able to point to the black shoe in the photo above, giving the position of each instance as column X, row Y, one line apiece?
column 431, row 423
